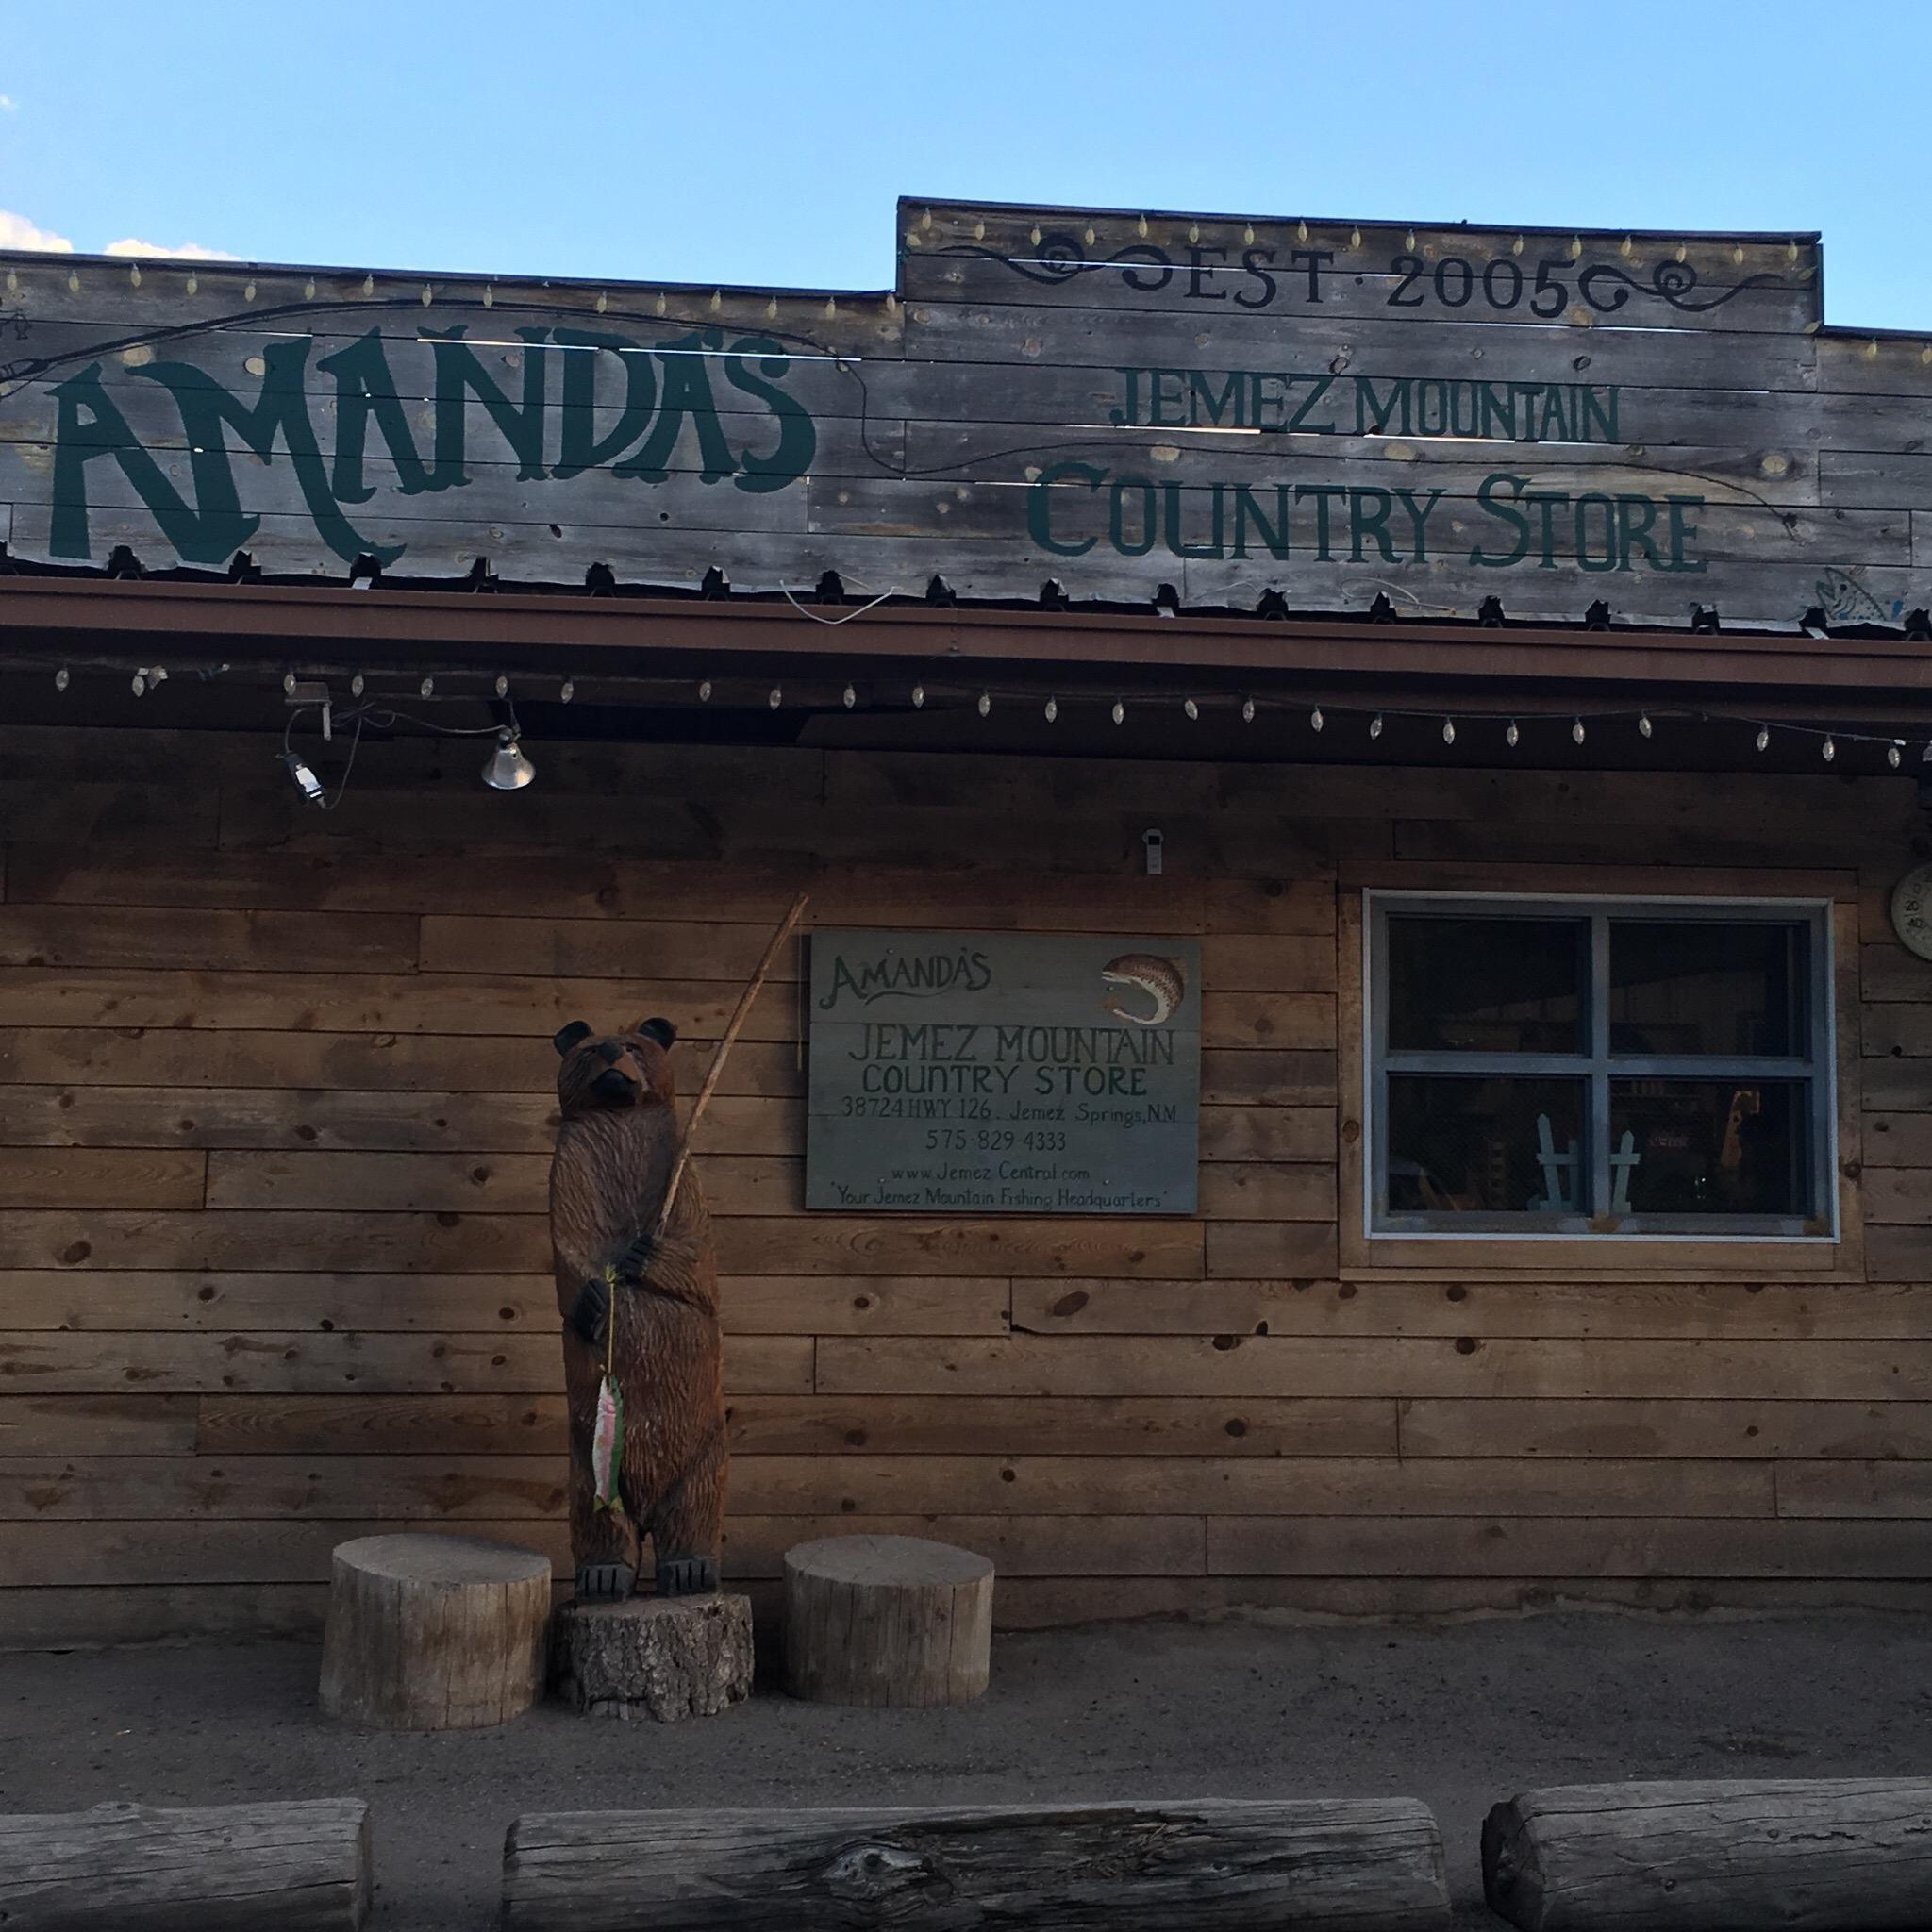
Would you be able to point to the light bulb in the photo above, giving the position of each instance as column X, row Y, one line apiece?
column 1510, row 735
column 426, row 689
column 985, row 703
column 918, row 698
column 503, row 687
column 355, row 686
column 1191, row 707
column 1448, row 730
column 1315, row 719
column 1828, row 751
column 1895, row 753
column 775, row 697
column 60, row 678
column 1120, row 712
column 1053, row 709
column 1247, row 711
column 1577, row 730
column 306, row 780
column 1764, row 739
column 851, row 697
column 566, row 692
column 1376, row 726
column 1643, row 724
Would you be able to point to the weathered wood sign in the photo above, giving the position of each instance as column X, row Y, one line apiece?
column 1108, row 402
column 1003, row 1074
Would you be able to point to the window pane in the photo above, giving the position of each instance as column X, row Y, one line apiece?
column 1486, row 985
column 1694, row 986
column 1486, row 1145
column 1710, row 1147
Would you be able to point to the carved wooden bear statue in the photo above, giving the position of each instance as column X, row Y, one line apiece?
column 615, row 1150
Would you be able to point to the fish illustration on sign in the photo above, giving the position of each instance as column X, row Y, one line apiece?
column 1160, row 978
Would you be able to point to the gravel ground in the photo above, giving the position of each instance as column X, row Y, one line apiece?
column 1457, row 1715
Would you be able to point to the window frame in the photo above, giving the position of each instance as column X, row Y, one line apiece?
column 1597, row 1068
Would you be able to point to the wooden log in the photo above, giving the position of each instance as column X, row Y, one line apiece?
column 887, row 1620
column 662, row 1657
column 434, row 1633
column 1823, row 1854
column 227, row 1867
column 1210, row 1865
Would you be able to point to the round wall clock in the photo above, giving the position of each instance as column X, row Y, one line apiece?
column 1912, row 912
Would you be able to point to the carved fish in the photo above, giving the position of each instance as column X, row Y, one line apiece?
column 606, row 1444
column 1160, row 980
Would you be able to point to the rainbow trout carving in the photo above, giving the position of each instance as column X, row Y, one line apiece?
column 607, row 1433
column 1161, row 979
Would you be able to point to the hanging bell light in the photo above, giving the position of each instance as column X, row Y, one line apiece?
column 506, row 769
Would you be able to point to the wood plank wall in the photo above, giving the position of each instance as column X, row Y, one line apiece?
column 273, row 1135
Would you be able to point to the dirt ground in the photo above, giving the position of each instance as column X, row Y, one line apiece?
column 1457, row 1715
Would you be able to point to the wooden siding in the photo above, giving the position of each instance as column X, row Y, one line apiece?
column 274, row 1118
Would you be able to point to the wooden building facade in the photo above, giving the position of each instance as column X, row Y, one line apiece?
column 1564, row 1224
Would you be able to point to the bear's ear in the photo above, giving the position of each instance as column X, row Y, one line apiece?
column 662, row 1031
column 577, row 1030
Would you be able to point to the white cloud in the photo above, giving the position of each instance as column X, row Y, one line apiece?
column 16, row 231
column 189, row 251
column 9, row 105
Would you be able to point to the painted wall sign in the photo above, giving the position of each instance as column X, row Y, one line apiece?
column 1002, row 1073
column 1111, row 402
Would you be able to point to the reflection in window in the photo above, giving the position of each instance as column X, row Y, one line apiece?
column 1681, row 985
column 1711, row 1146
column 1486, row 985
column 1620, row 1068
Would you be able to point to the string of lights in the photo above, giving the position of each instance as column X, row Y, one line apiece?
column 1334, row 723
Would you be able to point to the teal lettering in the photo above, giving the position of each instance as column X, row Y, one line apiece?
column 1175, row 500
column 580, row 447
column 1247, row 509
column 1589, row 500
column 280, row 412
column 1201, row 396
column 1321, row 493
column 1599, row 412
column 1546, row 502
column 1682, row 532
column 1371, row 412
column 89, row 426
column 1553, row 412
column 460, row 374
column 1418, row 519
column 1364, row 521
column 1301, row 420
column 1164, row 392
column 1124, row 416
column 685, row 398
column 1040, row 507
column 798, row 436
column 1633, row 535
column 1116, row 521
column 365, row 389
column 1489, row 500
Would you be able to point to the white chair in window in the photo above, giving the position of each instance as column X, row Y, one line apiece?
column 1559, row 1171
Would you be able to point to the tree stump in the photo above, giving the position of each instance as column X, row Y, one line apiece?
column 662, row 1657
column 1827, row 1854
column 1353, row 1864
column 887, row 1620
column 225, row 1868
column 434, row 1633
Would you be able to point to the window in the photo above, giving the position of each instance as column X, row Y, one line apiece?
column 1602, row 1068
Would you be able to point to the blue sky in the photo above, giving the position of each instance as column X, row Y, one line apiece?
column 765, row 145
